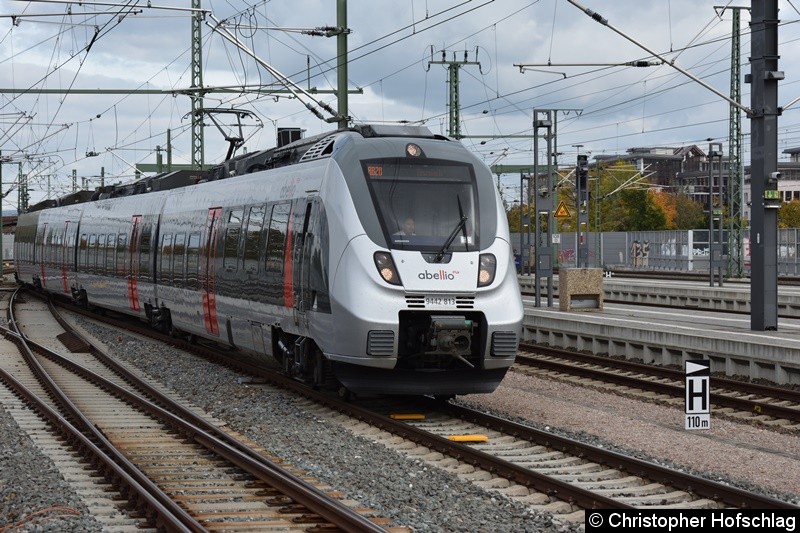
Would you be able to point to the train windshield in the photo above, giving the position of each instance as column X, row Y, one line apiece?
column 427, row 205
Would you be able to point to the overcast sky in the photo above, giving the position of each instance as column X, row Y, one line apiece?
column 393, row 49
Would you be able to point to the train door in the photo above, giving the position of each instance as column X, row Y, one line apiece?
column 39, row 254
column 132, row 270
column 66, row 245
column 301, row 263
column 208, row 276
column 253, row 237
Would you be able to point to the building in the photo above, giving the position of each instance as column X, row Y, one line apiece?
column 675, row 170
column 788, row 183
column 686, row 170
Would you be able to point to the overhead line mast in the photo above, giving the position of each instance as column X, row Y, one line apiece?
column 198, row 149
column 196, row 90
column 763, row 113
column 454, row 105
column 735, row 170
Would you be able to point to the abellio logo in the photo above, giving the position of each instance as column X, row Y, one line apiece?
column 442, row 275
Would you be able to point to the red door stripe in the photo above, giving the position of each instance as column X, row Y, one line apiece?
column 42, row 256
column 133, row 266
column 208, row 274
column 64, row 249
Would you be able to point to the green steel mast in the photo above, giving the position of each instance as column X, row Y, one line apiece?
column 735, row 171
column 197, row 87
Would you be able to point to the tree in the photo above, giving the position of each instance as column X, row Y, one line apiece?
column 689, row 213
column 513, row 214
column 641, row 212
column 624, row 200
column 668, row 205
column 789, row 215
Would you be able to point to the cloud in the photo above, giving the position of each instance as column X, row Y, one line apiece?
column 394, row 53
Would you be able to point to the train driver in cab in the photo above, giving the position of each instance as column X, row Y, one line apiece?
column 408, row 227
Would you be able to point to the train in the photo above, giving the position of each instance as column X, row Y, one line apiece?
column 298, row 254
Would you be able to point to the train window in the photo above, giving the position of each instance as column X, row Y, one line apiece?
column 166, row 256
column 317, row 244
column 83, row 248
column 111, row 255
column 122, row 247
column 179, row 255
column 66, row 248
column 192, row 261
column 58, row 249
column 48, row 248
column 232, row 230
column 144, row 251
column 38, row 251
column 255, row 229
column 55, row 248
column 276, row 251
column 100, row 257
column 92, row 254
column 69, row 249
column 437, row 200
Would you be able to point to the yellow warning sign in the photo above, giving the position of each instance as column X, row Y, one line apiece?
column 562, row 211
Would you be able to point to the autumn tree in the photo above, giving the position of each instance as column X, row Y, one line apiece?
column 789, row 215
column 668, row 205
column 680, row 211
column 626, row 202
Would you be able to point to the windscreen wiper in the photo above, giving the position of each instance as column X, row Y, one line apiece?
column 460, row 226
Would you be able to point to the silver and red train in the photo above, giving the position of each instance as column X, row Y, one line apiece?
column 376, row 255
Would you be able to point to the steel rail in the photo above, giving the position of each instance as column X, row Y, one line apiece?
column 678, row 391
column 210, row 437
column 556, row 488
column 689, row 483
column 169, row 514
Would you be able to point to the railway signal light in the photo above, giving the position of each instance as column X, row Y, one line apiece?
column 582, row 171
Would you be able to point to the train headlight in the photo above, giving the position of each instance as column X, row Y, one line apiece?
column 413, row 150
column 386, row 268
column 486, row 269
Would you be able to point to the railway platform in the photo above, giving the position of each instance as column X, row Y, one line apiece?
column 681, row 320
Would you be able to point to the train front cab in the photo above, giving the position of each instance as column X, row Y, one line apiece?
column 441, row 313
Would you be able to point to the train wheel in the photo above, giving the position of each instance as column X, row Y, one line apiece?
column 318, row 372
column 346, row 394
column 288, row 366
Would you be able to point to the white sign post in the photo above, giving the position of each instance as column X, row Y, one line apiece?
column 698, row 394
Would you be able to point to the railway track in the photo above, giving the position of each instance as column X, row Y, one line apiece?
column 179, row 471
column 536, row 468
column 774, row 407
column 734, row 302
column 690, row 276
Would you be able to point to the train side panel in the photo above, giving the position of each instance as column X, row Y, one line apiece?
column 25, row 266
column 112, row 270
column 230, row 257
column 47, row 244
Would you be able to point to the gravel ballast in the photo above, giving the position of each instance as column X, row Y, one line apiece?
column 33, row 495
column 424, row 498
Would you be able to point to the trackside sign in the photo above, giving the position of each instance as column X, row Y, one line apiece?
column 698, row 394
